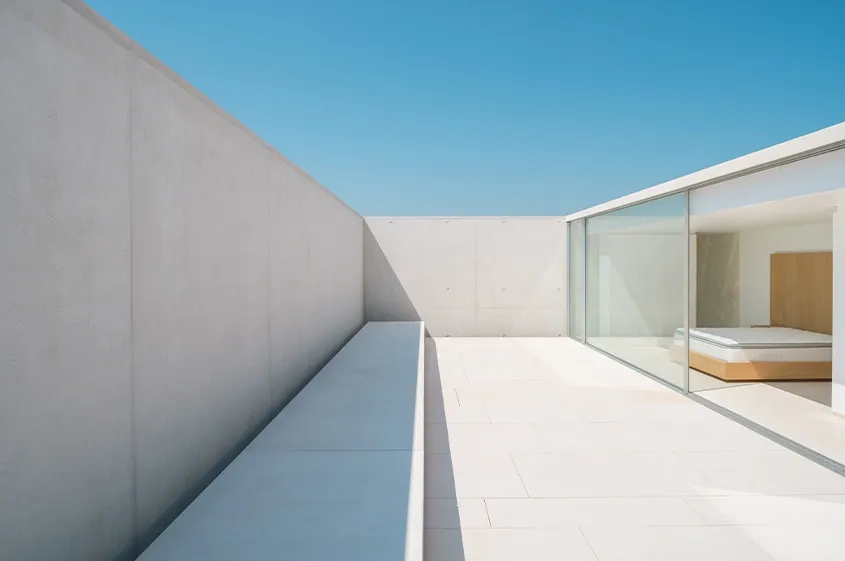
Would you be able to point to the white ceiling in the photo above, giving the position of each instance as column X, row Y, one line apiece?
column 800, row 210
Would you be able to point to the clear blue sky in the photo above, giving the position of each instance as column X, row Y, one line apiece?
column 459, row 107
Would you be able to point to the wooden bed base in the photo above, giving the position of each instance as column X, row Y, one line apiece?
column 800, row 297
column 759, row 371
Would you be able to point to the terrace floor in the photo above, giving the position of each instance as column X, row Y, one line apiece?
column 799, row 411
column 544, row 449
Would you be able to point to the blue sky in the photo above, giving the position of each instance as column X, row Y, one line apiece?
column 503, row 108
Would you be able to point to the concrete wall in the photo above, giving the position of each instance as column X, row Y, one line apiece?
column 468, row 276
column 168, row 281
column 755, row 250
column 837, row 390
column 717, row 280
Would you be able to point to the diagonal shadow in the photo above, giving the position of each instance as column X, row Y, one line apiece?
column 385, row 299
column 334, row 475
column 444, row 536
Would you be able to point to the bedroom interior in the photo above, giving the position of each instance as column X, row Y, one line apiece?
column 763, row 294
column 760, row 341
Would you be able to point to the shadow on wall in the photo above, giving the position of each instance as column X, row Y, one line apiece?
column 182, row 502
column 339, row 470
column 443, row 534
column 385, row 299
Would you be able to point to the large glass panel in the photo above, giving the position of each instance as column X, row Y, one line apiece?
column 763, row 277
column 577, row 270
column 636, row 286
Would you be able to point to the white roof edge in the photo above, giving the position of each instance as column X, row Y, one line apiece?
column 94, row 18
column 466, row 217
column 767, row 157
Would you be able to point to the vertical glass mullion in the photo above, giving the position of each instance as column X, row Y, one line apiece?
column 576, row 297
column 584, row 280
column 687, row 280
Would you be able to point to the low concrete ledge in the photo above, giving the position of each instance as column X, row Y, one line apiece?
column 338, row 474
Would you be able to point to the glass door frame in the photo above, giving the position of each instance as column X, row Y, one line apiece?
column 571, row 318
column 684, row 387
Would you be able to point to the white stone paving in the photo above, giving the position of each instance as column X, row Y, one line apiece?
column 544, row 449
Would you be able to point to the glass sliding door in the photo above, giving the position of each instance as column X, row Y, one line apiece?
column 577, row 271
column 636, row 286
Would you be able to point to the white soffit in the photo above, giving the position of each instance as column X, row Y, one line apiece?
column 800, row 210
column 830, row 138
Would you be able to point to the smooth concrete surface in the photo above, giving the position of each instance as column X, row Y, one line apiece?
column 717, row 294
column 544, row 449
column 468, row 276
column 337, row 475
column 169, row 282
column 66, row 452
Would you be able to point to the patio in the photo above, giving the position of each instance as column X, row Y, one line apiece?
column 544, row 449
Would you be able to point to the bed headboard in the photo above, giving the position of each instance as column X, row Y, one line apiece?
column 801, row 295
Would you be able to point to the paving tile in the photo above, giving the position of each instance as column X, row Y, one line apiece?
column 527, row 392
column 529, row 413
column 735, row 436
column 631, row 436
column 507, row 545
column 812, row 424
column 798, row 543
column 725, row 543
column 609, row 475
column 446, row 408
column 640, row 471
column 504, row 366
column 456, row 513
column 764, row 471
column 791, row 510
column 483, row 438
column 471, row 475
column 590, row 406
column 444, row 374
column 627, row 511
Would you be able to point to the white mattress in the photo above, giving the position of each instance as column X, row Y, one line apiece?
column 759, row 344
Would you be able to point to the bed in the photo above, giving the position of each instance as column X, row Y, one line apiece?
column 797, row 343
column 757, row 353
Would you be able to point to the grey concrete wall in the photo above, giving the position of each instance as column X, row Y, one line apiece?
column 468, row 277
column 167, row 283
column 717, row 279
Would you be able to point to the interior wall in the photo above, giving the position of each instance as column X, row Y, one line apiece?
column 717, row 280
column 169, row 282
column 468, row 277
column 756, row 246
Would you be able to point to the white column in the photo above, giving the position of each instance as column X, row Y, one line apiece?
column 838, row 386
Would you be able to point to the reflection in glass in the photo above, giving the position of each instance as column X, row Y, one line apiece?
column 577, row 270
column 636, row 261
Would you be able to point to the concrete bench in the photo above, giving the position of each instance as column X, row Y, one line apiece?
column 338, row 474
